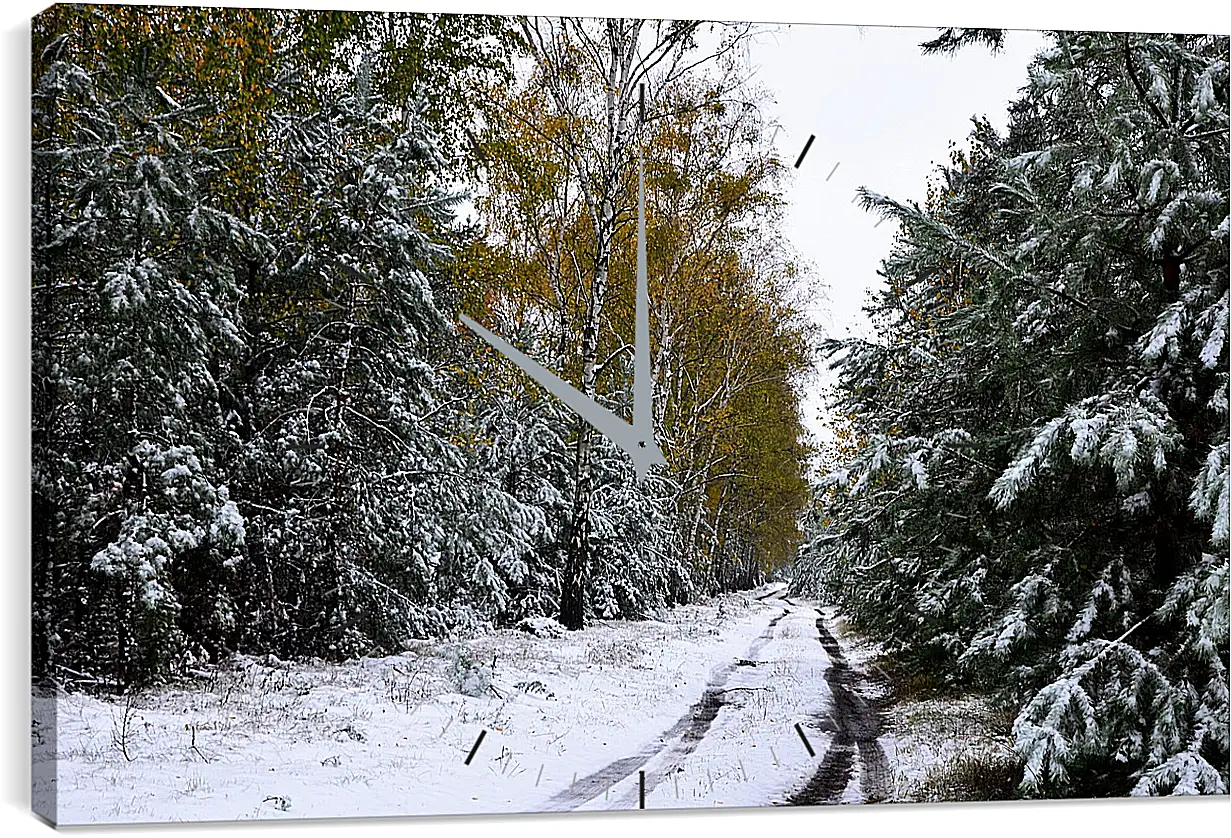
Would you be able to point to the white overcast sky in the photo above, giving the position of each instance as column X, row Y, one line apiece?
column 884, row 114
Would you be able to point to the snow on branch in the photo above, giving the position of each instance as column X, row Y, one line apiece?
column 1131, row 437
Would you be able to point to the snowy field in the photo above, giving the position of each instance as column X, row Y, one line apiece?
column 704, row 701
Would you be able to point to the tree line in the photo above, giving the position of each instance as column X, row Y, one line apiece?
column 257, row 426
column 1028, row 489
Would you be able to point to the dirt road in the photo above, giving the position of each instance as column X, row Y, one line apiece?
column 855, row 722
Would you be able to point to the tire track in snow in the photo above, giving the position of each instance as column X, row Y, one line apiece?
column 681, row 739
column 856, row 724
column 771, row 592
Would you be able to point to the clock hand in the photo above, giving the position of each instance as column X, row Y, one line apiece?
column 643, row 415
column 636, row 439
column 637, row 444
column 643, row 452
column 642, row 400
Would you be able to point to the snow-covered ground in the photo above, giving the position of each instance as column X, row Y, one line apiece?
column 924, row 738
column 934, row 737
column 704, row 701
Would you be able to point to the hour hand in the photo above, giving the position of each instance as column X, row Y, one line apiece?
column 640, row 447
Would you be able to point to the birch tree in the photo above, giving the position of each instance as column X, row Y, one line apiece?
column 597, row 75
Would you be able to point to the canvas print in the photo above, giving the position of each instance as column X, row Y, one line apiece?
column 447, row 414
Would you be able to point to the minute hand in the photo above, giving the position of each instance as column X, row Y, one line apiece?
column 643, row 389
column 644, row 453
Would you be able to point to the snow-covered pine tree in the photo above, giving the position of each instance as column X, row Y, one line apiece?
column 376, row 523
column 134, row 297
column 516, row 447
column 632, row 568
column 245, row 428
column 1037, row 495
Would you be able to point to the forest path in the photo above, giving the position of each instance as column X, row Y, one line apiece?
column 738, row 743
column 675, row 743
column 855, row 721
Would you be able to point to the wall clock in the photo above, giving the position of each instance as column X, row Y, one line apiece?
column 304, row 548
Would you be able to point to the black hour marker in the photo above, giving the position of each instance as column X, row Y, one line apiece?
column 807, row 146
column 479, row 742
column 807, row 744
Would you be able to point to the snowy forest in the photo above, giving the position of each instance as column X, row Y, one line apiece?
column 259, row 429
column 257, row 426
